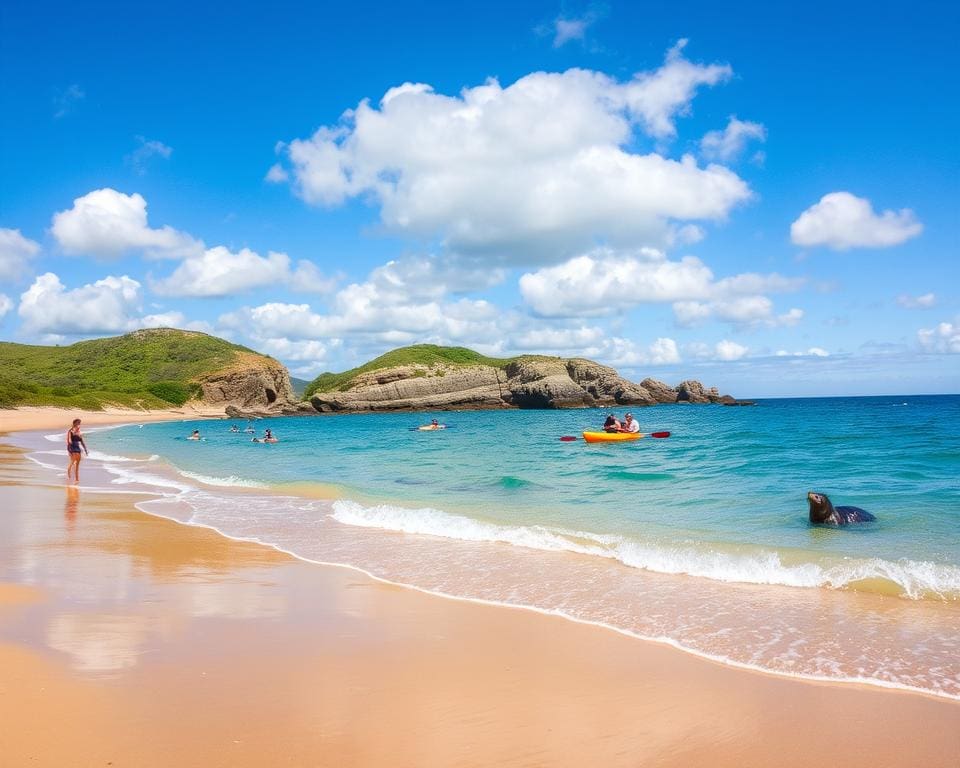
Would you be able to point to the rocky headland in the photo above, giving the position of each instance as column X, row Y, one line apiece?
column 524, row 382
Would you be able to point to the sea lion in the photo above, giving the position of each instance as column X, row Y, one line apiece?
column 822, row 512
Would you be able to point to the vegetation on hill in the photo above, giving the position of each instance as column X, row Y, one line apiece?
column 427, row 355
column 144, row 369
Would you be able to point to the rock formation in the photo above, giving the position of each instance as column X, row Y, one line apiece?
column 526, row 382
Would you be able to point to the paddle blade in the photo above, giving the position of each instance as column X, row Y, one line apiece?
column 569, row 438
column 659, row 434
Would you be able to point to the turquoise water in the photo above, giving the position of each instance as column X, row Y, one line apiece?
column 725, row 476
column 700, row 539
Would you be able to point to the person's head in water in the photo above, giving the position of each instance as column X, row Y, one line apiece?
column 196, row 431
column 434, row 422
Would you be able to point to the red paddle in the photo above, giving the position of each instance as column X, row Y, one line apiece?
column 569, row 438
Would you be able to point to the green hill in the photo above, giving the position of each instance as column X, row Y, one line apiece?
column 144, row 369
column 418, row 354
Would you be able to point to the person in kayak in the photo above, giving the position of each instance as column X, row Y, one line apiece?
column 629, row 425
column 611, row 424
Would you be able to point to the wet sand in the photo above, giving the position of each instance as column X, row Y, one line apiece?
column 135, row 641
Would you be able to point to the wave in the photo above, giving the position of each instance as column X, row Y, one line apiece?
column 912, row 579
column 233, row 481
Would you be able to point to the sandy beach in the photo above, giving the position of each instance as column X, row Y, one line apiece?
column 127, row 639
column 28, row 417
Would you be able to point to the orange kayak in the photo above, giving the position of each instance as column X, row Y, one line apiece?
column 610, row 437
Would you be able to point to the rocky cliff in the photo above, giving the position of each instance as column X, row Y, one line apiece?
column 251, row 381
column 525, row 382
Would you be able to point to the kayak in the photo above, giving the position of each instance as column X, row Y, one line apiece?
column 431, row 427
column 610, row 437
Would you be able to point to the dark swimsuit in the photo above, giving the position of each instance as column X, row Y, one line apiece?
column 74, row 443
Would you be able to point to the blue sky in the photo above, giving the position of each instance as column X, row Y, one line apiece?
column 767, row 200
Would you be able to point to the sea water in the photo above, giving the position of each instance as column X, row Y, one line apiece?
column 700, row 539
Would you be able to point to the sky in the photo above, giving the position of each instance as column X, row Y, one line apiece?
column 766, row 199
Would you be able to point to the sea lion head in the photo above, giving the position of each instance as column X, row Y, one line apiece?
column 821, row 510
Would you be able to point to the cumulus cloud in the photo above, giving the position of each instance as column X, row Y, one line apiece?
column 926, row 301
column 15, row 254
column 108, row 223
column 728, row 144
column 842, row 221
column 221, row 272
column 741, row 311
column 606, row 280
column 944, row 338
column 532, row 171
column 723, row 351
column 106, row 306
column 146, row 149
column 543, row 339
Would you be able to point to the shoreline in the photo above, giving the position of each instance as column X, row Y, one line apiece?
column 510, row 684
column 524, row 565
column 29, row 418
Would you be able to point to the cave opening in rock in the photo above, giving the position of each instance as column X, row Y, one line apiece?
column 271, row 395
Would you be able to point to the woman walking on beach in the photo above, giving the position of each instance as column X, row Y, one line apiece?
column 74, row 443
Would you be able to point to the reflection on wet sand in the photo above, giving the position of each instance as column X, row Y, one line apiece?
column 124, row 580
column 70, row 507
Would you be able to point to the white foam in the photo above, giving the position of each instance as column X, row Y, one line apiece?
column 917, row 580
column 226, row 482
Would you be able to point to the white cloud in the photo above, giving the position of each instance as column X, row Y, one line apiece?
column 723, row 351
column 173, row 320
column 106, row 306
column 220, row 272
column 277, row 174
column 108, row 223
column 5, row 304
column 542, row 339
column 728, row 144
column 605, row 281
column 533, row 171
column 926, row 301
column 147, row 149
column 842, row 221
column 64, row 100
column 811, row 352
column 741, row 311
column 944, row 338
column 627, row 353
column 566, row 30
column 15, row 253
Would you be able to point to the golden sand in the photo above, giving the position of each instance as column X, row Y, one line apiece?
column 131, row 640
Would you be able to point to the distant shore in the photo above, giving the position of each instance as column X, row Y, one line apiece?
column 41, row 417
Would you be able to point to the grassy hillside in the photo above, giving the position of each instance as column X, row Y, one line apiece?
column 145, row 369
column 419, row 354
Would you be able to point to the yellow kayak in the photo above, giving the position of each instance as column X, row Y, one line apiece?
column 610, row 437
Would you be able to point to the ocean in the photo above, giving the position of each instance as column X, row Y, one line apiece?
column 700, row 540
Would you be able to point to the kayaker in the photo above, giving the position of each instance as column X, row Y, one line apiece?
column 629, row 425
column 611, row 424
